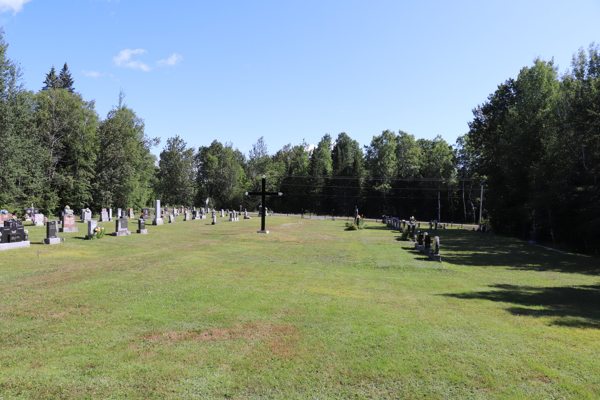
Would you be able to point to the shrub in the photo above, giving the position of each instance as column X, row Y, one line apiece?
column 351, row 226
column 98, row 234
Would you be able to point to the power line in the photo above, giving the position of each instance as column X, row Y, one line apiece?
column 369, row 187
column 360, row 197
column 376, row 179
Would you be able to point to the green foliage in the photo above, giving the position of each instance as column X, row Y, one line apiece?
column 98, row 233
column 52, row 81
column 66, row 80
column 66, row 127
column 125, row 168
column 175, row 178
column 220, row 176
column 537, row 142
column 350, row 226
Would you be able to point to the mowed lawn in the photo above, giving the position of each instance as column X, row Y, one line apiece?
column 309, row 311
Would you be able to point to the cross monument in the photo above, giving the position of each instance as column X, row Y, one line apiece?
column 263, row 193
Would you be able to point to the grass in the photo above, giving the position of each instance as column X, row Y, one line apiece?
column 193, row 310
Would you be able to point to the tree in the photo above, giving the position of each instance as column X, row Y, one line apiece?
column 52, row 81
column 220, row 176
column 66, row 128
column 125, row 166
column 21, row 172
column 66, row 81
column 176, row 173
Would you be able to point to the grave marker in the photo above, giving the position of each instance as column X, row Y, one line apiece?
column 13, row 235
column 68, row 221
column 142, row 227
column 158, row 217
column 263, row 193
column 51, row 233
column 38, row 220
column 121, row 227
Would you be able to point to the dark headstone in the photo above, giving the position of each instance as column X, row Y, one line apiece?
column 13, row 232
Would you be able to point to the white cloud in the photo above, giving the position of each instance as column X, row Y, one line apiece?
column 171, row 61
column 92, row 74
column 14, row 5
column 124, row 59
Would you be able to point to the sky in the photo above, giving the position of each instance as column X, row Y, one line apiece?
column 289, row 71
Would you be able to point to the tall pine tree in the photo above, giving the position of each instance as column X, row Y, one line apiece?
column 66, row 80
column 52, row 81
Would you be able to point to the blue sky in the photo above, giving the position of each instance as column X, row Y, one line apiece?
column 292, row 70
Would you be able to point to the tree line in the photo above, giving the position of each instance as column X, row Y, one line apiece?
column 536, row 142
column 533, row 146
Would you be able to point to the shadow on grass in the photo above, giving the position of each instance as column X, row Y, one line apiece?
column 574, row 306
column 464, row 247
column 377, row 227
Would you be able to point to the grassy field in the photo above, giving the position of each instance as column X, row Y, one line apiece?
column 309, row 311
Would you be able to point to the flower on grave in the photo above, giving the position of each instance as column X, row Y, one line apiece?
column 97, row 230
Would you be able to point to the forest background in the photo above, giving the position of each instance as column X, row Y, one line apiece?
column 533, row 146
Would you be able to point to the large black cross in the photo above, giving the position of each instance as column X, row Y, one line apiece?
column 263, row 193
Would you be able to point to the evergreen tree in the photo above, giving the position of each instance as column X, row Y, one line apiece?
column 52, row 81
column 66, row 81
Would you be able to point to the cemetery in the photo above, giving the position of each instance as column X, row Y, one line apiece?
column 206, row 307
column 458, row 259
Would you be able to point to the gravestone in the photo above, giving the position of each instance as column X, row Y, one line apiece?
column 130, row 213
column 51, row 233
column 5, row 216
column 29, row 212
column 91, row 227
column 142, row 227
column 214, row 218
column 222, row 213
column 246, row 216
column 185, row 215
column 38, row 220
column 68, row 222
column 435, row 254
column 146, row 212
column 86, row 215
column 172, row 219
column 119, row 213
column 110, row 215
column 121, row 227
column 427, row 249
column 13, row 235
column 158, row 217
column 104, row 215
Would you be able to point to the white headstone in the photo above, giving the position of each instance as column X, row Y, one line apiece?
column 39, row 219
column 158, row 216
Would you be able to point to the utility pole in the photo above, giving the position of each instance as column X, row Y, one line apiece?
column 481, row 204
column 439, row 208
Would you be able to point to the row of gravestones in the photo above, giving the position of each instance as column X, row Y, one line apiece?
column 423, row 244
column 422, row 240
column 14, row 235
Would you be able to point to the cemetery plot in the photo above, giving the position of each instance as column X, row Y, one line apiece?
column 309, row 310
